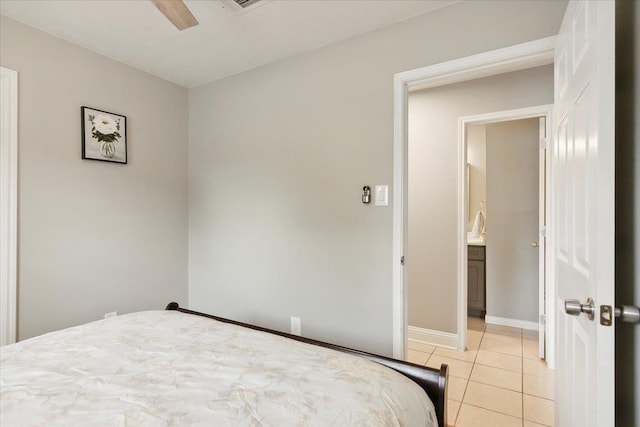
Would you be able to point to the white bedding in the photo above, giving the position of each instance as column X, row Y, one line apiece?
column 168, row 368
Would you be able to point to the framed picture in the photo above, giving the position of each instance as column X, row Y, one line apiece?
column 104, row 136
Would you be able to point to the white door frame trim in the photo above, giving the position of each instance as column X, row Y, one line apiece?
column 8, row 204
column 513, row 58
column 545, row 286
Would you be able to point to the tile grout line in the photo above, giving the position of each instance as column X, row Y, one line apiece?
column 472, row 367
column 501, row 388
column 497, row 412
column 469, row 379
column 521, row 379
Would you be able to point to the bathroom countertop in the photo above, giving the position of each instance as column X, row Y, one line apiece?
column 475, row 241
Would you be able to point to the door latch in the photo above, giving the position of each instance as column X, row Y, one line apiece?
column 626, row 313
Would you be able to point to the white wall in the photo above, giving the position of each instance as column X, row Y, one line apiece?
column 278, row 157
column 477, row 160
column 94, row 237
column 512, row 214
column 433, row 175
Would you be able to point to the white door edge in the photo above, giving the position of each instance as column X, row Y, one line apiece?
column 542, row 233
column 8, row 204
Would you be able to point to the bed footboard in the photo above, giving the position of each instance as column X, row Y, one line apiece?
column 433, row 381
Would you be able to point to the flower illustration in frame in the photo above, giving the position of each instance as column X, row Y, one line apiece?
column 104, row 136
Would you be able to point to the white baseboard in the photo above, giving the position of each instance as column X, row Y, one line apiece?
column 514, row 323
column 428, row 336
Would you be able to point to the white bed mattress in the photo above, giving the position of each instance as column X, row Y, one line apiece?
column 168, row 368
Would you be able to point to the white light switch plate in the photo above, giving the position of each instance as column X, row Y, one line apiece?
column 381, row 195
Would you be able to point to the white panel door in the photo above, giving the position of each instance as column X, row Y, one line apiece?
column 583, row 218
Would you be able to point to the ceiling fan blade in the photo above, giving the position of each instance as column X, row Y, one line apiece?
column 176, row 12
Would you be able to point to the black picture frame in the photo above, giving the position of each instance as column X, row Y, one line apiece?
column 104, row 135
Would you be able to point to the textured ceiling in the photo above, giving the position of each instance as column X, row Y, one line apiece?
column 225, row 43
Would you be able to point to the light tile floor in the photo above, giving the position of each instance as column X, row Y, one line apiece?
column 498, row 382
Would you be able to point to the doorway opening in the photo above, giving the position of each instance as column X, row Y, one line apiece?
column 495, row 63
column 582, row 175
column 505, row 165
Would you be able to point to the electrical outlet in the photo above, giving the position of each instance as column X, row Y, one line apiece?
column 296, row 326
column 110, row 315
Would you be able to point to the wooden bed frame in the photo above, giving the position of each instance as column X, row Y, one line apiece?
column 433, row 381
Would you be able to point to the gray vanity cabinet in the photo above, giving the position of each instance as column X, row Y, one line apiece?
column 476, row 281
